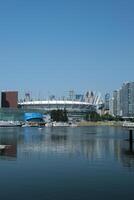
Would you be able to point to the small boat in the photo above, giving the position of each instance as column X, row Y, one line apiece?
column 34, row 124
column 60, row 124
column 10, row 124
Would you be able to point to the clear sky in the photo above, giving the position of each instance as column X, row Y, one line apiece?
column 52, row 46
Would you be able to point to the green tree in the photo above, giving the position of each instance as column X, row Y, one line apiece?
column 59, row 115
column 94, row 116
column 87, row 117
column 107, row 117
column 65, row 117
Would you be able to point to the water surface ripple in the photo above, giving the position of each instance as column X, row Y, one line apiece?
column 64, row 163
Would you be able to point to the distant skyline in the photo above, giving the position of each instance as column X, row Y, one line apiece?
column 51, row 47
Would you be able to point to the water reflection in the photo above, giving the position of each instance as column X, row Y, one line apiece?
column 8, row 144
column 127, row 155
column 96, row 144
column 63, row 140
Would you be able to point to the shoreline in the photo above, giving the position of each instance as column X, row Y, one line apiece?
column 101, row 123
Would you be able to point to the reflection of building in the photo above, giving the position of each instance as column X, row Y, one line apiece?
column 64, row 140
column 8, row 150
column 8, row 144
column 9, row 99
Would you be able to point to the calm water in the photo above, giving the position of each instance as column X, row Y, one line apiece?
column 66, row 164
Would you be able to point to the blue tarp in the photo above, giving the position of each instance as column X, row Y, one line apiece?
column 32, row 116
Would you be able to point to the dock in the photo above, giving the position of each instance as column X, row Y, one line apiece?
column 130, row 127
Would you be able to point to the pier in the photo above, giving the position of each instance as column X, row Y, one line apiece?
column 130, row 127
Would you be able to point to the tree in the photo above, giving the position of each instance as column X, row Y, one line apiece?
column 87, row 117
column 65, row 117
column 59, row 115
column 107, row 117
column 94, row 116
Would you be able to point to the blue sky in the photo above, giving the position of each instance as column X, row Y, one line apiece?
column 52, row 46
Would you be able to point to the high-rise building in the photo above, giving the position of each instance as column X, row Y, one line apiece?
column 107, row 101
column 9, row 99
column 123, row 100
column 111, row 112
column 27, row 96
column 119, row 111
column 131, row 99
column 115, row 94
column 127, row 99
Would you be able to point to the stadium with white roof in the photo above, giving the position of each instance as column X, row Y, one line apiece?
column 85, row 103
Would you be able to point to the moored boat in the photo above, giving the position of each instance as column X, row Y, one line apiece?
column 60, row 124
column 10, row 124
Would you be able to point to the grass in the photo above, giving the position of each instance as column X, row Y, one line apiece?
column 100, row 123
